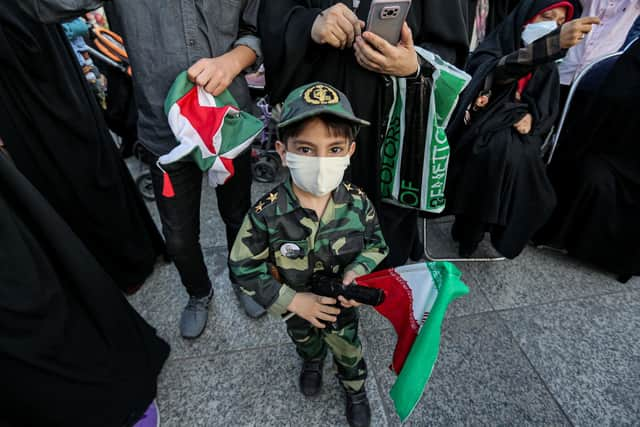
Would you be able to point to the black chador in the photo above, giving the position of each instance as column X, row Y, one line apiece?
column 72, row 350
column 497, row 180
column 596, row 173
column 55, row 132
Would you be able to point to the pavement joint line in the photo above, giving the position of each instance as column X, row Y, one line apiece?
column 228, row 352
column 515, row 341
column 378, row 387
column 572, row 299
column 562, row 256
column 270, row 346
column 378, row 384
column 533, row 367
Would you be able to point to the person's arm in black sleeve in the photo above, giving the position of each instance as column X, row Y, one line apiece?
column 523, row 61
column 442, row 27
column 284, row 27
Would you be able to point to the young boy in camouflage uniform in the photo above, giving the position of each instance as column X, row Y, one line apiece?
column 313, row 222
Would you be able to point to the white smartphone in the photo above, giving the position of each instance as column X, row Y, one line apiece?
column 386, row 18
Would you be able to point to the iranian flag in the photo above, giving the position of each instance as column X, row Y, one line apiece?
column 416, row 299
column 210, row 130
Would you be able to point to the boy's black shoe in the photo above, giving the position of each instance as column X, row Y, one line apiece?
column 358, row 410
column 311, row 377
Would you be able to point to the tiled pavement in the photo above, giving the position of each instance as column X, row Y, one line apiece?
column 540, row 340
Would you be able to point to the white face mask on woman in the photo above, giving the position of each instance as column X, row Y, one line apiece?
column 316, row 175
column 533, row 32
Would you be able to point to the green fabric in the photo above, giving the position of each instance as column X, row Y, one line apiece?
column 237, row 131
column 417, row 368
column 415, row 181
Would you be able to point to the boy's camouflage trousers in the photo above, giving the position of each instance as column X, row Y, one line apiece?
column 312, row 343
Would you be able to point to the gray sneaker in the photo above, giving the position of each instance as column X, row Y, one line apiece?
column 194, row 316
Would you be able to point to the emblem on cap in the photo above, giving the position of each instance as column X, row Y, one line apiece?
column 321, row 95
column 291, row 250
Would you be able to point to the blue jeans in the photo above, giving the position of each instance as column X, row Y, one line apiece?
column 180, row 216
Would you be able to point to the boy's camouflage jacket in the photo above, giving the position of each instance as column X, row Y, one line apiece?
column 279, row 232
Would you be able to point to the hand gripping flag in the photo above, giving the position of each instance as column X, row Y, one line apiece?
column 416, row 299
column 210, row 130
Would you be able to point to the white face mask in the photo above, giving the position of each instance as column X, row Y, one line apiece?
column 316, row 175
column 533, row 32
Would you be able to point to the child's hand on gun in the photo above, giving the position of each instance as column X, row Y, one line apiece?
column 348, row 279
column 314, row 308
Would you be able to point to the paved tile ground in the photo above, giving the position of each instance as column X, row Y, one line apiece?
column 540, row 340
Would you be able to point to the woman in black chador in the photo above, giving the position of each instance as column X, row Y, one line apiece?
column 497, row 179
column 596, row 173
column 72, row 350
column 55, row 132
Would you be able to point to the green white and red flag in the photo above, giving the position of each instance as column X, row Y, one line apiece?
column 210, row 130
column 416, row 300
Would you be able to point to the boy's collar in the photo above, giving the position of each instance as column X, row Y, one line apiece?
column 339, row 196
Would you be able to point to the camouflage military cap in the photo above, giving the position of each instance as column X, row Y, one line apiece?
column 314, row 99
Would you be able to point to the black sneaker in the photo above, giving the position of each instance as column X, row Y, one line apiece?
column 311, row 377
column 358, row 410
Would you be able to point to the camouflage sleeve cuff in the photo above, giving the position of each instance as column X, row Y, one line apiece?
column 358, row 268
column 285, row 296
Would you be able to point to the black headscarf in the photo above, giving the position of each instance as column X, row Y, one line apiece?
column 498, row 10
column 505, row 39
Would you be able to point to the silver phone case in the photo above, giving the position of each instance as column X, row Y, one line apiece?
column 386, row 17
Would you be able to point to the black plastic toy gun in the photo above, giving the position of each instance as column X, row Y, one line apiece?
column 328, row 285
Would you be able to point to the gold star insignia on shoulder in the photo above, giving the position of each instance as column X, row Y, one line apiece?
column 272, row 197
column 259, row 206
column 348, row 186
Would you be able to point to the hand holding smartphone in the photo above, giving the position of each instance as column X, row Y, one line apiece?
column 386, row 18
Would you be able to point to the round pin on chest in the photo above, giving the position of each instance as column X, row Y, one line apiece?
column 290, row 250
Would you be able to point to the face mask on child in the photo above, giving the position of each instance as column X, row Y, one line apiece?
column 533, row 32
column 316, row 175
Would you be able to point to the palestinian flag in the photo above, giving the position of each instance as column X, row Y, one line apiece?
column 210, row 131
column 416, row 299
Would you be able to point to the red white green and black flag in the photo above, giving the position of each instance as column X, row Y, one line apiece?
column 416, row 300
column 210, row 130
